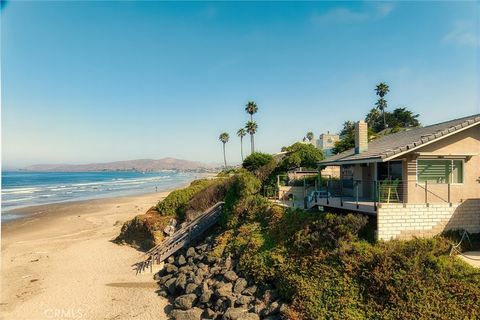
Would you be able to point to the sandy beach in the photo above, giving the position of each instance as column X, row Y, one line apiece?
column 61, row 264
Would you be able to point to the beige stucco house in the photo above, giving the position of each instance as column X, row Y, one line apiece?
column 418, row 182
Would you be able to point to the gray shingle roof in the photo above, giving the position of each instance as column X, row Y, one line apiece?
column 392, row 144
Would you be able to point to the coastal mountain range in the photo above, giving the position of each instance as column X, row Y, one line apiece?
column 144, row 165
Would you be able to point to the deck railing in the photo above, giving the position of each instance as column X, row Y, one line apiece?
column 387, row 191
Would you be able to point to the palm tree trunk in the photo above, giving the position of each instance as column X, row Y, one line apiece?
column 224, row 157
column 384, row 121
column 241, row 147
column 251, row 143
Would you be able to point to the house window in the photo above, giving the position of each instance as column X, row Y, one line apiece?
column 440, row 171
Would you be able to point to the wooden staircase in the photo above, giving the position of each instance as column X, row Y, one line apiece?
column 181, row 238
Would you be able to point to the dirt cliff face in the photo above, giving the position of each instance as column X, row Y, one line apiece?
column 144, row 231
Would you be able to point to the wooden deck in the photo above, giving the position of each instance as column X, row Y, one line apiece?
column 362, row 206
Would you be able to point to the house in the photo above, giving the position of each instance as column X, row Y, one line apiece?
column 418, row 182
column 326, row 142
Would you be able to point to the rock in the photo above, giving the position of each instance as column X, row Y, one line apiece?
column 164, row 279
column 270, row 295
column 240, row 285
column 181, row 281
column 191, row 288
column 234, row 313
column 250, row 316
column 228, row 263
column 171, row 260
column 191, row 252
column 171, row 287
column 258, row 308
column 192, row 314
column 197, row 279
column 185, row 302
column 230, row 276
column 273, row 308
column 170, row 268
column 209, row 313
column 215, row 270
column 202, row 247
column 250, row 291
column 218, row 305
column 244, row 300
column 181, row 260
column 211, row 260
column 162, row 293
column 283, row 308
column 272, row 317
column 205, row 297
column 224, row 289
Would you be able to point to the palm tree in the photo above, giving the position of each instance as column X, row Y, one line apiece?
column 382, row 105
column 251, row 127
column 382, row 89
column 309, row 136
column 224, row 137
column 251, row 108
column 241, row 133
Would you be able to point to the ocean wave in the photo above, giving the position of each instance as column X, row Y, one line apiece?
column 16, row 200
column 20, row 190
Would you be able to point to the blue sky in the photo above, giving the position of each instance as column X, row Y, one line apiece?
column 103, row 81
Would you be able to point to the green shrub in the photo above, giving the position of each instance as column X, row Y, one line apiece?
column 256, row 160
column 172, row 204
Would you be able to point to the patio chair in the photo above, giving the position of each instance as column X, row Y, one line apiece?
column 388, row 189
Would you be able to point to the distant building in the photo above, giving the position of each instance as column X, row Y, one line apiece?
column 326, row 142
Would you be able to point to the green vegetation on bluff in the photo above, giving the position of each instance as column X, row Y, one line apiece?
column 322, row 264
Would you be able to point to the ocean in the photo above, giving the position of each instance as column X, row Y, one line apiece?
column 23, row 189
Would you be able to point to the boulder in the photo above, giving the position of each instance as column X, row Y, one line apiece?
column 164, row 279
column 209, row 314
column 171, row 287
column 240, row 285
column 205, row 297
column 273, row 308
column 191, row 288
column 185, row 302
column 234, row 313
column 162, row 293
column 250, row 291
column 192, row 314
column 181, row 282
column 170, row 268
column 228, row 262
column 224, row 289
column 244, row 300
column 171, row 260
column 250, row 316
column 181, row 260
column 230, row 276
column 191, row 252
column 270, row 295
column 202, row 247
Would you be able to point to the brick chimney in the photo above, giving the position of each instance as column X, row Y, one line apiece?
column 361, row 137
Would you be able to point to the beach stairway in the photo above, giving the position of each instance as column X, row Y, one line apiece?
column 181, row 238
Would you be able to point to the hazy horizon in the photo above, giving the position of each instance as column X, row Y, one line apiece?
column 94, row 82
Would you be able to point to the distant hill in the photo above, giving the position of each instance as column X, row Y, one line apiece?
column 148, row 165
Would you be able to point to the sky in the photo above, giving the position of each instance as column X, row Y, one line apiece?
column 104, row 81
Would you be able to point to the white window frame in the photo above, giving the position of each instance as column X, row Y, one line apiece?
column 442, row 159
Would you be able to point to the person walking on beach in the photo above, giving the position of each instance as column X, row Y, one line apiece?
column 156, row 189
